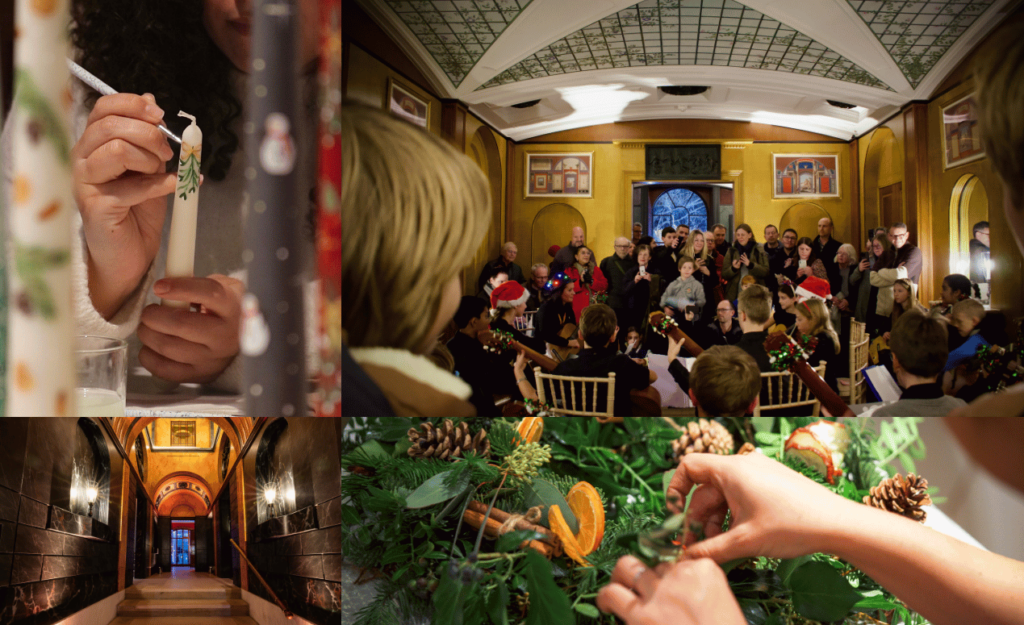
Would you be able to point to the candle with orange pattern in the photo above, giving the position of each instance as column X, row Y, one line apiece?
column 40, row 368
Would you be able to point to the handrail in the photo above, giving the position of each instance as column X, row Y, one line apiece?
column 286, row 611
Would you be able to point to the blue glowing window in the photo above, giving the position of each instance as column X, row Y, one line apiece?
column 678, row 207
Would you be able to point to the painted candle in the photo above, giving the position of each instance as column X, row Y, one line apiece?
column 273, row 323
column 328, row 398
column 40, row 363
column 181, row 243
column 3, row 277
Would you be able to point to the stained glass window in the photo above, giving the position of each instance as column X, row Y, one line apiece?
column 678, row 207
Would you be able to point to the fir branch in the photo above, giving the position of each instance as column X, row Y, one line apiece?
column 383, row 610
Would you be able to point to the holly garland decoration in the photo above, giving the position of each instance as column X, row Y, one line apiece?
column 444, row 540
column 789, row 352
column 538, row 407
column 997, row 365
column 664, row 325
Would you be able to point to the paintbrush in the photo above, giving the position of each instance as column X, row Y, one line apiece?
column 82, row 74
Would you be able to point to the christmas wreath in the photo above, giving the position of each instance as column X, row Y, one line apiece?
column 504, row 521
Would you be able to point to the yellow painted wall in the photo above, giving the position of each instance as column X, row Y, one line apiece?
column 1008, row 265
column 478, row 134
column 368, row 83
column 609, row 212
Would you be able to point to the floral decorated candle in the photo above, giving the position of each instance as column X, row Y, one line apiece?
column 181, row 244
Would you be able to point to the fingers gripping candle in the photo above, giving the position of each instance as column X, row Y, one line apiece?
column 181, row 245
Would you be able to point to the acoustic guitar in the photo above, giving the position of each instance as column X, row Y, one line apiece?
column 822, row 391
column 666, row 326
column 645, row 402
column 568, row 332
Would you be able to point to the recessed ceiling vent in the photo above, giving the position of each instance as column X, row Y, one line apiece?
column 841, row 105
column 682, row 90
column 526, row 105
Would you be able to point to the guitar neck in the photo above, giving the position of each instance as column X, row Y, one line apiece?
column 689, row 344
column 548, row 364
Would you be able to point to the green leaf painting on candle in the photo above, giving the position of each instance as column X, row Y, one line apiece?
column 43, row 120
column 30, row 264
column 188, row 170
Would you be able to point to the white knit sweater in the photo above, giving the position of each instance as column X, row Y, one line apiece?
column 219, row 241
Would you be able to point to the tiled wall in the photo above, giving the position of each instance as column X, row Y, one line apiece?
column 299, row 554
column 46, row 574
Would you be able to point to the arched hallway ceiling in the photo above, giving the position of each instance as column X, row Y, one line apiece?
column 766, row 61
column 237, row 429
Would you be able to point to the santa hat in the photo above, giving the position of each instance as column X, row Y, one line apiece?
column 508, row 295
column 814, row 286
column 553, row 250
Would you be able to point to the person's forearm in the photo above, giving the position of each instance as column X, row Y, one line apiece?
column 941, row 578
column 108, row 293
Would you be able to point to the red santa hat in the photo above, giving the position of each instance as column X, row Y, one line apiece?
column 814, row 286
column 508, row 295
column 553, row 250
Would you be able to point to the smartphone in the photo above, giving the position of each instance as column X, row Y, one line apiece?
column 643, row 271
column 803, row 263
column 690, row 310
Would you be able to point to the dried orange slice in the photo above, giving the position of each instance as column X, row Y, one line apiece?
column 561, row 529
column 585, row 503
column 530, row 429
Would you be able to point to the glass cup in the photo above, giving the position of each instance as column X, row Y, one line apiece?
column 102, row 372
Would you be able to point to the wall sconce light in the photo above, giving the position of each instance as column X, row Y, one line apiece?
column 291, row 493
column 91, row 493
column 270, row 494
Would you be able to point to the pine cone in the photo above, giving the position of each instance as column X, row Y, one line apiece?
column 447, row 441
column 902, row 496
column 748, row 448
column 708, row 437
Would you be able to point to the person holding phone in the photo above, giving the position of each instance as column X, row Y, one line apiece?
column 808, row 263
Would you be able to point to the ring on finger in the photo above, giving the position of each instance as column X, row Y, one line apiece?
column 636, row 578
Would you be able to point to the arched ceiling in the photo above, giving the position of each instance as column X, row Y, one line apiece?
column 237, row 429
column 768, row 61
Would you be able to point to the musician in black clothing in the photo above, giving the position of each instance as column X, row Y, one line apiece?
column 509, row 300
column 475, row 365
column 556, row 312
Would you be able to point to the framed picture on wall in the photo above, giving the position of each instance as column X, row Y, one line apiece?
column 402, row 103
column 560, row 175
column 960, row 138
column 805, row 175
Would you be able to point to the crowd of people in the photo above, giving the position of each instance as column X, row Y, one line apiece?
column 723, row 289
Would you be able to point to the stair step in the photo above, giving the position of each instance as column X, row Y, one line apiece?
column 193, row 608
column 183, row 620
column 220, row 593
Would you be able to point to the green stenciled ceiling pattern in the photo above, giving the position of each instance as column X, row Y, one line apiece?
column 917, row 34
column 688, row 32
column 457, row 32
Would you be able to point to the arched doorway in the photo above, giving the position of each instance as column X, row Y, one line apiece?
column 883, row 183
column 968, row 204
column 553, row 226
column 803, row 218
column 483, row 149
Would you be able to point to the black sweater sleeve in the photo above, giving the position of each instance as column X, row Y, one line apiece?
column 548, row 328
column 680, row 374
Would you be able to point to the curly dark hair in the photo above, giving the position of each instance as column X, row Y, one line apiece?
column 162, row 48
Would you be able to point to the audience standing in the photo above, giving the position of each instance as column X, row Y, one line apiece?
column 744, row 257
column 638, row 232
column 682, row 235
column 907, row 254
column 504, row 261
column 565, row 257
column 826, row 247
column 980, row 253
column 723, row 330
column 882, row 279
column 615, row 268
column 808, row 263
column 699, row 249
column 784, row 263
column 639, row 284
column 666, row 257
column 589, row 279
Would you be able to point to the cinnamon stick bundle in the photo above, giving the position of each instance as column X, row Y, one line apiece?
column 476, row 511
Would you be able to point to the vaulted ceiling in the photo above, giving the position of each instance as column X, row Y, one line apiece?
column 769, row 61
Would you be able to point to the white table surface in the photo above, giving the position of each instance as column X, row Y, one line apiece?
column 671, row 395
column 145, row 399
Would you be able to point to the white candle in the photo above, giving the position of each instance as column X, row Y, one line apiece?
column 181, row 246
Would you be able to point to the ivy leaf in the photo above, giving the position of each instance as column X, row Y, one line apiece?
column 820, row 593
column 512, row 540
column 548, row 603
column 497, row 605
column 544, row 493
column 877, row 602
column 587, row 610
column 435, row 490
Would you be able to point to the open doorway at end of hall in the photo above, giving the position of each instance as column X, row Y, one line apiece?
column 183, row 545
column 657, row 205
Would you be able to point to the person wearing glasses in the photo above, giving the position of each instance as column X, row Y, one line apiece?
column 907, row 254
column 724, row 330
column 615, row 268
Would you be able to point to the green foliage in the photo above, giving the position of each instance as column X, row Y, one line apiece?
column 548, row 604
column 543, row 493
column 821, row 593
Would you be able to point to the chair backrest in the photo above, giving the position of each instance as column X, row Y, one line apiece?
column 529, row 328
column 572, row 395
column 858, row 360
column 783, row 389
column 857, row 331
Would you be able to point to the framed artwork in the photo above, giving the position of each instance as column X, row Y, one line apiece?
column 805, row 175
column 402, row 103
column 960, row 137
column 560, row 175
